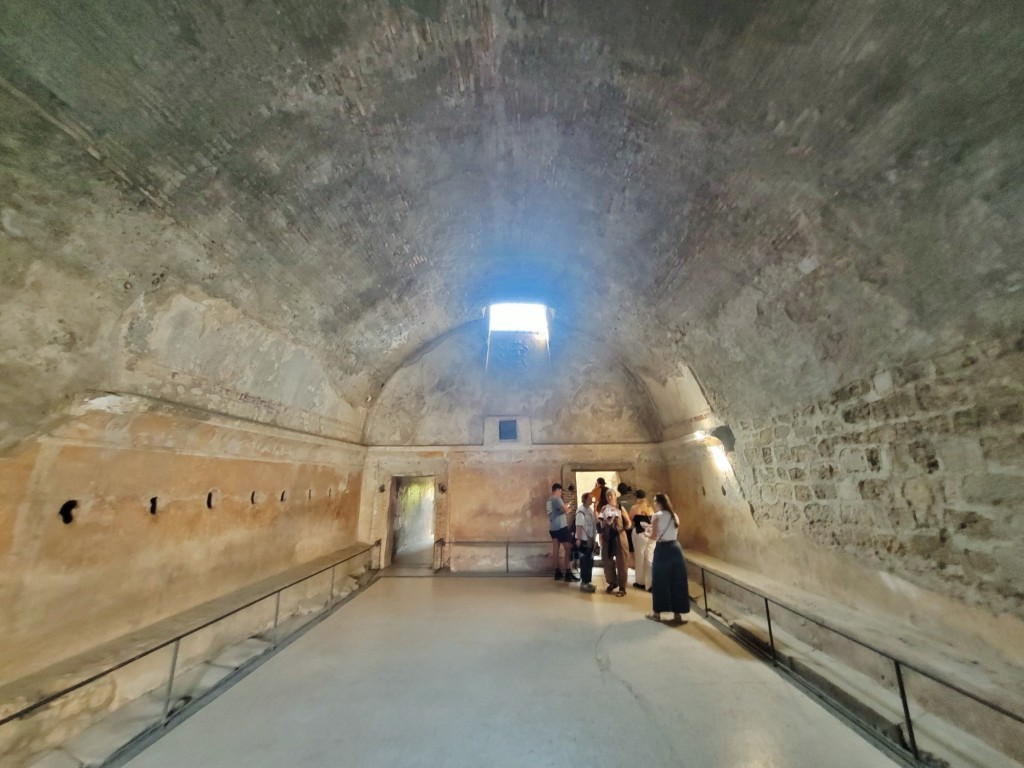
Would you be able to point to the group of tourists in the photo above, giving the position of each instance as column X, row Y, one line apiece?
column 645, row 536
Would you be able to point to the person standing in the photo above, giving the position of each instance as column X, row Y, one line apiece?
column 561, row 539
column 670, row 588
column 599, row 495
column 614, row 523
column 586, row 537
column 643, row 544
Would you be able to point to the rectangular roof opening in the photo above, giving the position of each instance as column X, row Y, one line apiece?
column 519, row 318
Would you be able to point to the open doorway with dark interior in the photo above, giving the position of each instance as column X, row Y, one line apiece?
column 412, row 522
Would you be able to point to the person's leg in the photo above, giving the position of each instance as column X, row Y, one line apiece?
column 661, row 596
column 623, row 574
column 681, row 588
column 566, row 548
column 634, row 540
column 587, row 565
column 649, row 563
column 640, row 556
column 555, row 544
column 608, row 561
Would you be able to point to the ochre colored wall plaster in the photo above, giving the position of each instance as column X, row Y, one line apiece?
column 116, row 567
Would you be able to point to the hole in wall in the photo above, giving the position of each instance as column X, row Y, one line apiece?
column 725, row 436
column 702, row 491
column 210, row 500
column 284, row 495
column 723, row 490
column 252, row 497
column 330, row 492
column 310, row 493
column 66, row 511
column 152, row 505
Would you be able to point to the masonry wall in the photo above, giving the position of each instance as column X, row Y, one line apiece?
column 899, row 493
column 496, row 494
column 117, row 566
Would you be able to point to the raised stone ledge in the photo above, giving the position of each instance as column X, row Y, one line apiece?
column 986, row 675
column 24, row 735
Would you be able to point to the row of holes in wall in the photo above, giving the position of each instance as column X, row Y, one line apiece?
column 67, row 509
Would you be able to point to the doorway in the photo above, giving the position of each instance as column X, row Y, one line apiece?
column 412, row 522
column 585, row 481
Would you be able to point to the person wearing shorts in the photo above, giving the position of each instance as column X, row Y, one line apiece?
column 561, row 538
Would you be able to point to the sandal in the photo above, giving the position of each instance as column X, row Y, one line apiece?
column 653, row 617
column 621, row 593
column 609, row 589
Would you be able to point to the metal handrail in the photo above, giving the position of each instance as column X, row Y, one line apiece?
column 175, row 640
column 437, row 563
column 507, row 543
column 898, row 661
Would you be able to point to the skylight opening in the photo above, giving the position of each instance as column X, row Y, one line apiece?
column 519, row 318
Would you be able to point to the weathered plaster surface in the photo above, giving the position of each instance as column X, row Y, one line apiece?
column 580, row 395
column 117, row 567
column 293, row 214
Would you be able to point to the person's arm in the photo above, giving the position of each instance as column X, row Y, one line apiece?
column 654, row 528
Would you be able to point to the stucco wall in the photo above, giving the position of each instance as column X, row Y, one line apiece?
column 579, row 394
column 496, row 494
column 117, row 567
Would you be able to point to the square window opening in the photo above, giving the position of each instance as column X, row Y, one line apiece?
column 508, row 429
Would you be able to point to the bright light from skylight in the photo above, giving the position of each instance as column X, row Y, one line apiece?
column 520, row 318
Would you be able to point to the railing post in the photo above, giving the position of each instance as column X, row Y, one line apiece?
column 330, row 595
column 277, row 607
column 170, row 680
column 704, row 589
column 771, row 636
column 906, row 710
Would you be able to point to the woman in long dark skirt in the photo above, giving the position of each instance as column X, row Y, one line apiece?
column 670, row 589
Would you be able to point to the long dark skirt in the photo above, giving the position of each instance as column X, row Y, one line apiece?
column 669, row 587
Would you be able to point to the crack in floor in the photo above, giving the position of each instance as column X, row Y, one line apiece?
column 604, row 666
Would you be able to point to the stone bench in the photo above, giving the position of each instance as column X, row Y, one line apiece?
column 819, row 640
column 118, row 689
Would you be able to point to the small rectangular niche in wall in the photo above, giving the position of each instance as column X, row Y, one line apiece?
column 508, row 429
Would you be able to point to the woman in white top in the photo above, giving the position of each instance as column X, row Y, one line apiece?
column 586, row 537
column 670, row 588
column 643, row 545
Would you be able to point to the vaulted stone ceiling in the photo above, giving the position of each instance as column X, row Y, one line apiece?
column 781, row 195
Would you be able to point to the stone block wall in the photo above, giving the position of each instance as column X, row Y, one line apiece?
column 917, row 470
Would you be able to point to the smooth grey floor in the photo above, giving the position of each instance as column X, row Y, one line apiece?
column 510, row 672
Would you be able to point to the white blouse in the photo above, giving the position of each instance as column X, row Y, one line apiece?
column 667, row 529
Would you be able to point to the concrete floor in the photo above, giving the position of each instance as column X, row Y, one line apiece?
column 510, row 672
